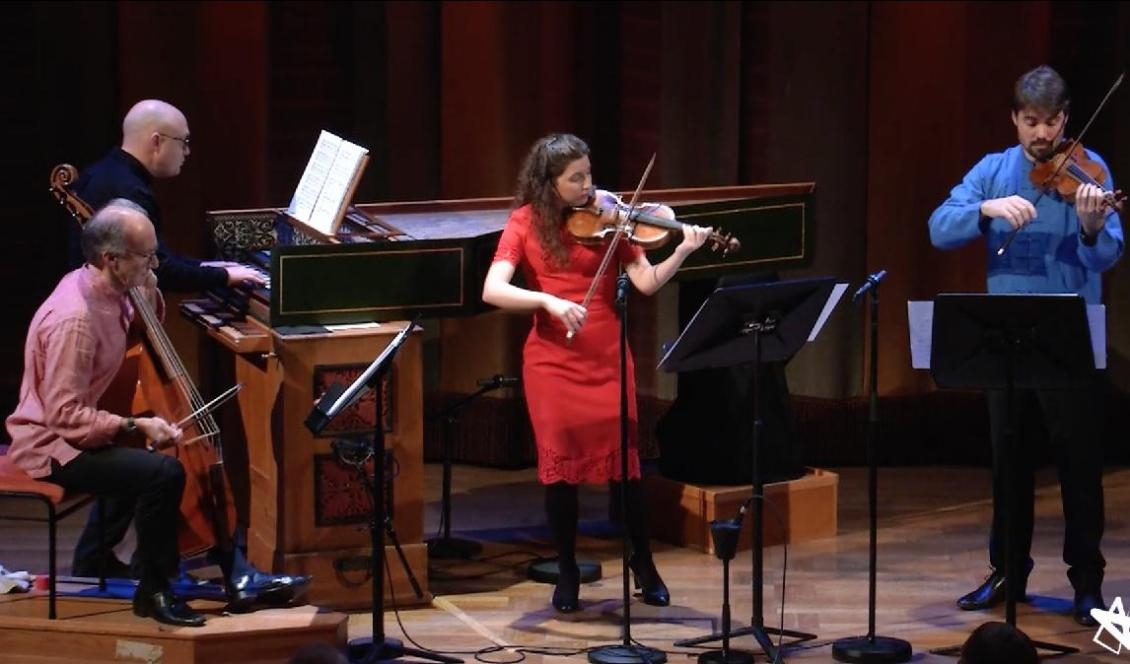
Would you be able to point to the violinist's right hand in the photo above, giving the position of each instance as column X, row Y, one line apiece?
column 1016, row 210
column 571, row 314
column 158, row 432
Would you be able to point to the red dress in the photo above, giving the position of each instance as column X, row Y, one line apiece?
column 573, row 391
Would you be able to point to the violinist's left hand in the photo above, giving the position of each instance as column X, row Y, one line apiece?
column 1090, row 205
column 694, row 237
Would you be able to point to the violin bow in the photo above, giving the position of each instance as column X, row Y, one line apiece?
column 620, row 228
column 1071, row 148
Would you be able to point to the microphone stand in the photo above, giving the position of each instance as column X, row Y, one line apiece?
column 627, row 652
column 871, row 648
column 448, row 547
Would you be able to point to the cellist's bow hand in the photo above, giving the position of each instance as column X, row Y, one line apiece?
column 158, row 432
column 570, row 314
column 1091, row 205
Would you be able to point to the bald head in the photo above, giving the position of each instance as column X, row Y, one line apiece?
column 156, row 134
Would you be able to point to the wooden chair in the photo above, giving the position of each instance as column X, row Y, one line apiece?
column 16, row 484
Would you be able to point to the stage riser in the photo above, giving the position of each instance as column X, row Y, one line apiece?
column 105, row 631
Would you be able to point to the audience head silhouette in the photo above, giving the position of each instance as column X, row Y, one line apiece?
column 996, row 642
column 318, row 652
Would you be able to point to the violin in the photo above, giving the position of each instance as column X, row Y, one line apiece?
column 605, row 213
column 1067, row 168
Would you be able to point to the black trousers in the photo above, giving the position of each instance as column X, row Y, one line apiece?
column 1073, row 420
column 151, row 482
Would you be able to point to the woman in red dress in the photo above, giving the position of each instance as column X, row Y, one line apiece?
column 573, row 387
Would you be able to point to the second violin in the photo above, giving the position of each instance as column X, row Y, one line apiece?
column 604, row 213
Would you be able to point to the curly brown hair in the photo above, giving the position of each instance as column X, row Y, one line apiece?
column 547, row 159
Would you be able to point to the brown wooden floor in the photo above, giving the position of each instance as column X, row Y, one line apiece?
column 932, row 535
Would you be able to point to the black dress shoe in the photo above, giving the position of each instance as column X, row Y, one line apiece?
column 566, row 594
column 247, row 590
column 649, row 582
column 990, row 593
column 1084, row 602
column 164, row 608
column 115, row 569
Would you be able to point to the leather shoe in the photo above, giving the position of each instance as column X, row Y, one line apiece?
column 566, row 594
column 92, row 568
column 990, row 593
column 1084, row 602
column 649, row 582
column 247, row 590
column 164, row 608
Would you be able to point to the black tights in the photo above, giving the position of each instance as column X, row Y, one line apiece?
column 562, row 511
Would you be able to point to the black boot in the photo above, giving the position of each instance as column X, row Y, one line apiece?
column 561, row 510
column 1088, row 585
column 247, row 587
column 646, row 577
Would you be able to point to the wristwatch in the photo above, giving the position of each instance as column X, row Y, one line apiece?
column 1087, row 240
column 130, row 425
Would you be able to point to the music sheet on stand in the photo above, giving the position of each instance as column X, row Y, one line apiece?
column 314, row 177
column 339, row 178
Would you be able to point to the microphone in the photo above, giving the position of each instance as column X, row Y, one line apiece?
column 737, row 520
column 498, row 380
column 872, row 282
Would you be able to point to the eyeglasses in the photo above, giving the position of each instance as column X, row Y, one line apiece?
column 150, row 257
column 184, row 141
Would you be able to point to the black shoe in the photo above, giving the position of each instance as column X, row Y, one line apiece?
column 115, row 569
column 245, row 591
column 990, row 593
column 1084, row 602
column 164, row 608
column 649, row 582
column 566, row 594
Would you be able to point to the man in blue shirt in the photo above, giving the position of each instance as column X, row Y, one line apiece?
column 1056, row 246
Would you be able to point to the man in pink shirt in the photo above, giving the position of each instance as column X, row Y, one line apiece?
column 75, row 346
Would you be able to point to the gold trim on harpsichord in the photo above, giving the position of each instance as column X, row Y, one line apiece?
column 774, row 259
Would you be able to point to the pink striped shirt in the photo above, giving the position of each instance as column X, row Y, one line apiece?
column 75, row 346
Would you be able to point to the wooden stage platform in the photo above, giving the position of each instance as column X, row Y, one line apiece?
column 932, row 540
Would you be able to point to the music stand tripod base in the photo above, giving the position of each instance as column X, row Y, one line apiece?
column 622, row 654
column 871, row 649
column 545, row 570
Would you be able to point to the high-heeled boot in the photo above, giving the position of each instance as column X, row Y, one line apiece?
column 646, row 577
column 562, row 513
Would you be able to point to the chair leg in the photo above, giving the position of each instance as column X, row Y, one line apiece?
column 51, row 541
column 101, row 546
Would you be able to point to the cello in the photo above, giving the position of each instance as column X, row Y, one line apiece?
column 207, row 509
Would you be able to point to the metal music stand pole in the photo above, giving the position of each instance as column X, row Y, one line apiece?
column 378, row 648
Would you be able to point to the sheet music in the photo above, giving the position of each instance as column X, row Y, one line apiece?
column 920, row 315
column 326, row 182
column 837, row 293
column 310, row 185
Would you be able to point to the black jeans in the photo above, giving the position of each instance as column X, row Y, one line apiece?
column 151, row 482
column 1073, row 419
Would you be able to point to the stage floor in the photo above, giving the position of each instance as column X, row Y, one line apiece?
column 932, row 540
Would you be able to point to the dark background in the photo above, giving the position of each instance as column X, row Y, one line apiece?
column 883, row 105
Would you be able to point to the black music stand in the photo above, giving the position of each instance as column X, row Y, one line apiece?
column 751, row 324
column 378, row 648
column 1011, row 342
